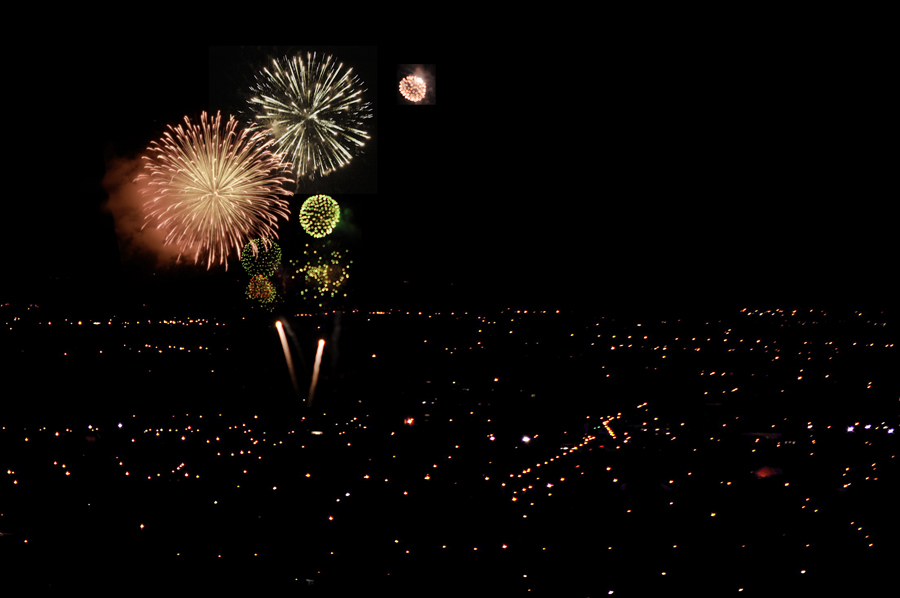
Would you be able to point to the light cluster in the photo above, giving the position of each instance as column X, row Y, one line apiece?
column 642, row 493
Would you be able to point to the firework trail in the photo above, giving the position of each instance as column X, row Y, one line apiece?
column 314, row 110
column 212, row 190
column 315, row 377
column 287, row 356
column 335, row 335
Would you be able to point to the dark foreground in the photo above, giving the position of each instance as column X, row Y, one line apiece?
column 715, row 485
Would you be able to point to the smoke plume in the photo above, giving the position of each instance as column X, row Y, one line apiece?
column 140, row 246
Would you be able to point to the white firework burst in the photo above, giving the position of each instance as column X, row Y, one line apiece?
column 315, row 110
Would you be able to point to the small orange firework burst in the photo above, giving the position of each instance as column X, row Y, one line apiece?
column 412, row 88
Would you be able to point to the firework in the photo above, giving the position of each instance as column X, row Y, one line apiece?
column 287, row 356
column 412, row 88
column 212, row 189
column 322, row 273
column 315, row 377
column 261, row 256
column 319, row 215
column 261, row 289
column 315, row 111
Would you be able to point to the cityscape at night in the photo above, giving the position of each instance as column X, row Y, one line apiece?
column 290, row 324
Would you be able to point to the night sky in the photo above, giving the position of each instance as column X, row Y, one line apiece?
column 691, row 176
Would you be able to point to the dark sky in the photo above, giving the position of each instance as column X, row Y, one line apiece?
column 635, row 178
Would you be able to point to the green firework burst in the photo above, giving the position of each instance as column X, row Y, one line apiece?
column 319, row 215
column 261, row 256
column 322, row 273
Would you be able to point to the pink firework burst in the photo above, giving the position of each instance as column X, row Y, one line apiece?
column 212, row 189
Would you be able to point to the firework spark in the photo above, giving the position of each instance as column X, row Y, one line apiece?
column 212, row 190
column 315, row 111
column 412, row 88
